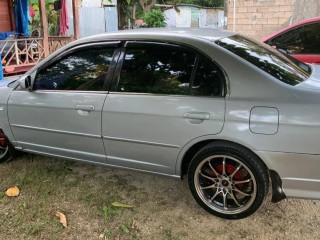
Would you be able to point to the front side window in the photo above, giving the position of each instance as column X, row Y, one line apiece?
column 157, row 69
column 300, row 40
column 265, row 58
column 83, row 70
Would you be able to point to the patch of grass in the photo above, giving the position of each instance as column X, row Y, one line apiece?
column 167, row 234
column 108, row 212
column 108, row 234
column 85, row 194
column 124, row 229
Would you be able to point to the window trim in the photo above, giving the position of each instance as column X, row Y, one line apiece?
column 139, row 43
column 77, row 48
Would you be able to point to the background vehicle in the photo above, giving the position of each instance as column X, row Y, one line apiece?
column 300, row 40
column 228, row 112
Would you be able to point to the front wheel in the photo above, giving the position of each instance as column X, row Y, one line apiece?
column 228, row 180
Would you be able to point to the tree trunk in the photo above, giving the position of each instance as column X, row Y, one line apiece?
column 121, row 16
column 146, row 5
column 134, row 11
column 175, row 3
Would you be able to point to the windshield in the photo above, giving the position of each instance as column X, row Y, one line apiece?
column 266, row 58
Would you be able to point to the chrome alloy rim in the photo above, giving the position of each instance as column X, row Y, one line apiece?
column 3, row 151
column 225, row 184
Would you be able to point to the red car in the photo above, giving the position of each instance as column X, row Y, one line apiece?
column 300, row 40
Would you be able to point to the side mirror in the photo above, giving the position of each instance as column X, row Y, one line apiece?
column 26, row 83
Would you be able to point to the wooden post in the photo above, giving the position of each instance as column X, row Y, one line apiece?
column 44, row 24
column 10, row 9
column 75, row 10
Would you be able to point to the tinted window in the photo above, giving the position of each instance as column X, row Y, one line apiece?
column 208, row 80
column 159, row 69
column 304, row 39
column 82, row 70
column 265, row 58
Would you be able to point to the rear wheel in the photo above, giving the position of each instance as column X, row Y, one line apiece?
column 228, row 180
column 6, row 150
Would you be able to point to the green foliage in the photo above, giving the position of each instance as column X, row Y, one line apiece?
column 154, row 18
column 109, row 211
column 52, row 18
column 35, row 2
column 124, row 229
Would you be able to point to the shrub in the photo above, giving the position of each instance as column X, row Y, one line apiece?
column 154, row 18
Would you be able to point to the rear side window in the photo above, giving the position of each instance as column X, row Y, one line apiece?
column 208, row 80
column 157, row 69
column 83, row 70
column 301, row 40
column 265, row 58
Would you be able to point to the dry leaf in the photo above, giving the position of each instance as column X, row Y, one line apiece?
column 13, row 192
column 117, row 204
column 62, row 217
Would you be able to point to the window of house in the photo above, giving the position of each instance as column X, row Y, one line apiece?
column 83, row 70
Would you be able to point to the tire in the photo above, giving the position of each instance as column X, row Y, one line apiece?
column 7, row 151
column 228, row 180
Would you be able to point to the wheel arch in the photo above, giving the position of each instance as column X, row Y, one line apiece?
column 189, row 150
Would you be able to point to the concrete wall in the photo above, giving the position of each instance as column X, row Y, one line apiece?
column 215, row 18
column 303, row 9
column 171, row 17
column 183, row 19
column 259, row 18
column 191, row 16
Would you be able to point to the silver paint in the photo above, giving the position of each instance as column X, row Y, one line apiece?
column 152, row 133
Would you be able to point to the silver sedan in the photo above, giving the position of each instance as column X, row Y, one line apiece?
column 228, row 112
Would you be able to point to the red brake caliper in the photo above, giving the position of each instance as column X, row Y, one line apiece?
column 229, row 170
column 2, row 139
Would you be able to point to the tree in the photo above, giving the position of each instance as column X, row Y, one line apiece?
column 147, row 4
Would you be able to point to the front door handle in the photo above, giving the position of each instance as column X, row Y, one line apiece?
column 87, row 108
column 197, row 115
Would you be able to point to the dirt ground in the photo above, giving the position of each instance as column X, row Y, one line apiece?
column 163, row 208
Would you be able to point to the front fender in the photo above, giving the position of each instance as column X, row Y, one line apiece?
column 4, row 121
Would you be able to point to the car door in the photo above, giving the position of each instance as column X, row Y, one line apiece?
column 62, row 115
column 301, row 42
column 162, row 97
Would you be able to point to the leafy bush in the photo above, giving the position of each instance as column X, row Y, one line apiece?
column 155, row 18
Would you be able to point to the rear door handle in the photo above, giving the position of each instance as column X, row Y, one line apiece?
column 87, row 108
column 197, row 115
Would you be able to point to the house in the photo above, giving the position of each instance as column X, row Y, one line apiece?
column 6, row 16
column 189, row 15
column 97, row 16
column 20, row 54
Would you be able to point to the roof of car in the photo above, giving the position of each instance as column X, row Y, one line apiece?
column 307, row 21
column 207, row 33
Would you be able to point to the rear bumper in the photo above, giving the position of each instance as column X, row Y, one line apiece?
column 299, row 173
